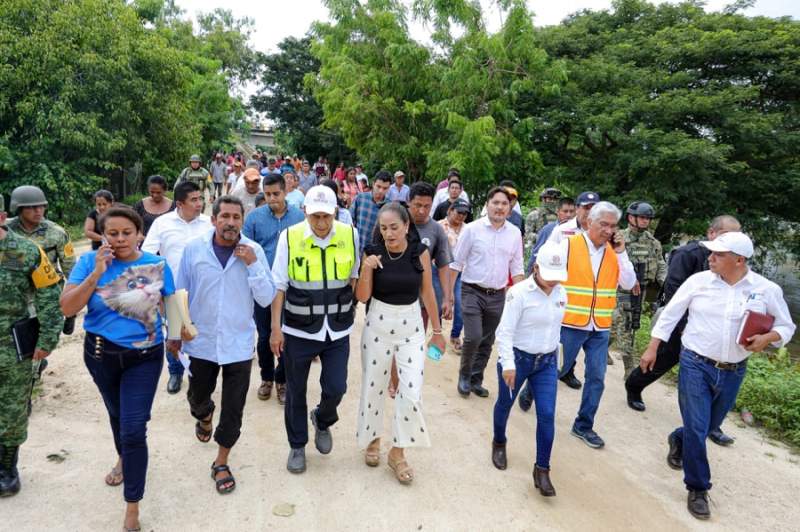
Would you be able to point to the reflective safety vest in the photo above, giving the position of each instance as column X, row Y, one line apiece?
column 319, row 280
column 590, row 298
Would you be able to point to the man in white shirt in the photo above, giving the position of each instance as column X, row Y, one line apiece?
column 527, row 346
column 315, row 269
column 224, row 273
column 579, row 224
column 168, row 237
column 488, row 249
column 234, row 177
column 597, row 265
column 443, row 194
column 247, row 194
column 712, row 361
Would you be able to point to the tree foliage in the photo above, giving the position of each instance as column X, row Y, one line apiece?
column 694, row 111
column 94, row 87
column 285, row 98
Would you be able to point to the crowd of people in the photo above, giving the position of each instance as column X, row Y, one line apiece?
column 295, row 248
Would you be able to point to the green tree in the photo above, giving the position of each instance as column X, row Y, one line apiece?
column 694, row 111
column 285, row 98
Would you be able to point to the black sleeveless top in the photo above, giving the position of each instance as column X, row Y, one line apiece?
column 400, row 280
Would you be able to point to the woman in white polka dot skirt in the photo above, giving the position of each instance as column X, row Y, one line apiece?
column 395, row 273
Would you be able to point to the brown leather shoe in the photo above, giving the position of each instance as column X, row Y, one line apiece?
column 265, row 390
column 541, row 479
column 499, row 455
column 281, row 393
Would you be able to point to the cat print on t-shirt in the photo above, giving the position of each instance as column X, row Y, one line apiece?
column 136, row 294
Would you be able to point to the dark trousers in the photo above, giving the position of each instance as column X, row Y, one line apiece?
column 127, row 380
column 667, row 355
column 705, row 395
column 235, row 383
column 266, row 360
column 541, row 374
column 481, row 313
column 298, row 354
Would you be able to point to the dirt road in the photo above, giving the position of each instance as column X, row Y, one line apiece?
column 626, row 486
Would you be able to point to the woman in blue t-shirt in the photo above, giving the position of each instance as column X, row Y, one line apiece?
column 122, row 288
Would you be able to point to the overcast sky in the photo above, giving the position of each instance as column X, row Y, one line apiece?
column 278, row 19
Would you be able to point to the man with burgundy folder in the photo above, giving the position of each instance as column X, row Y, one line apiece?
column 733, row 312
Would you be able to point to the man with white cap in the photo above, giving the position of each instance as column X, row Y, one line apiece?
column 315, row 269
column 527, row 343
column 712, row 361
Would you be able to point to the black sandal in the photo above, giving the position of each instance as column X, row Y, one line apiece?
column 221, row 482
column 202, row 434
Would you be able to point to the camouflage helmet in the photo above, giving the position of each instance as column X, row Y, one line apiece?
column 195, row 159
column 26, row 196
column 641, row 208
column 550, row 192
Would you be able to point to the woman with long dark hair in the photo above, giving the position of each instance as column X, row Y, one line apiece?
column 395, row 273
column 155, row 203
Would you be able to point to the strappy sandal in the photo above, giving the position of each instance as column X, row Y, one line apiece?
column 204, row 435
column 402, row 470
column 225, row 480
column 372, row 456
column 114, row 474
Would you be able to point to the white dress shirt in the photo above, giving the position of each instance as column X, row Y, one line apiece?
column 627, row 275
column 221, row 300
column 531, row 321
column 563, row 231
column 716, row 310
column 486, row 255
column 170, row 234
column 280, row 273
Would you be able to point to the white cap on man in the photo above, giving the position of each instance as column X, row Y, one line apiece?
column 552, row 261
column 733, row 241
column 320, row 199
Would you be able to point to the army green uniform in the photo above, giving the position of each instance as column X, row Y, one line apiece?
column 53, row 239
column 25, row 273
column 538, row 218
column 199, row 177
column 642, row 248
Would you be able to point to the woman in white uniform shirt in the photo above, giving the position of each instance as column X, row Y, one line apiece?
column 527, row 343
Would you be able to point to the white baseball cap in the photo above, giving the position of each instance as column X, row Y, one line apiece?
column 320, row 199
column 552, row 261
column 734, row 241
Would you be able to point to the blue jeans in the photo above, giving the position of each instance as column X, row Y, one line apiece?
column 458, row 321
column 542, row 376
column 595, row 349
column 705, row 395
column 127, row 380
column 173, row 364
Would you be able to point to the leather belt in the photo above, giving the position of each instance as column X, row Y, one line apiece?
column 725, row 366
column 487, row 291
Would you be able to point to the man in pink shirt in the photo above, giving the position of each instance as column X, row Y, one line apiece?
column 487, row 251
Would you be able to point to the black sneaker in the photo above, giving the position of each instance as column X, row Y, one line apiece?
column 572, row 381
column 720, row 438
column 675, row 454
column 589, row 437
column 525, row 398
column 697, row 503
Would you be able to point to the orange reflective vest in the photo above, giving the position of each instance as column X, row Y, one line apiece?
column 590, row 298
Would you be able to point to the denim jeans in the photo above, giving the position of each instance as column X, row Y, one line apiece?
column 542, row 376
column 595, row 349
column 705, row 396
column 173, row 364
column 127, row 380
column 458, row 321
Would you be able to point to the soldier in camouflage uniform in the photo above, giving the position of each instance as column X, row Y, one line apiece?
column 25, row 274
column 648, row 261
column 541, row 215
column 198, row 175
